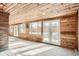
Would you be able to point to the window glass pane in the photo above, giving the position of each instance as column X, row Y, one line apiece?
column 51, row 32
column 21, row 28
column 55, row 31
column 16, row 30
column 46, row 31
column 11, row 29
column 35, row 28
column 38, row 27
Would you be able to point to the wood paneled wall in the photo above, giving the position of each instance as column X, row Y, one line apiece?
column 69, row 31
column 32, row 12
column 69, row 28
column 4, row 23
column 78, row 29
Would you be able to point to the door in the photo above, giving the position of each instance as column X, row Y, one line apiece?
column 46, row 32
column 55, row 32
column 51, row 32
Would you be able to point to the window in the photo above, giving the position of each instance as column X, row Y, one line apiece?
column 51, row 31
column 46, row 31
column 11, row 29
column 35, row 28
column 15, row 30
column 21, row 28
column 55, row 31
column 38, row 27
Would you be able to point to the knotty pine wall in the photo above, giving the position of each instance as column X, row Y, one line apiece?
column 78, row 30
column 4, row 24
column 69, row 31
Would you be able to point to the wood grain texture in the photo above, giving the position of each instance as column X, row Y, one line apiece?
column 4, row 24
column 34, row 11
column 69, row 32
column 24, row 13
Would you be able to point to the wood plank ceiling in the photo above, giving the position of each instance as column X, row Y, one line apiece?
column 34, row 11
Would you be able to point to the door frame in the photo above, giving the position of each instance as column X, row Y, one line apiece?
column 50, row 35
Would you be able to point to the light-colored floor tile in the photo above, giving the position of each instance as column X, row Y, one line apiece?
column 18, row 47
column 37, row 51
column 26, row 48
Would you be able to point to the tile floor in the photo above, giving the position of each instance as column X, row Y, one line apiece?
column 18, row 47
